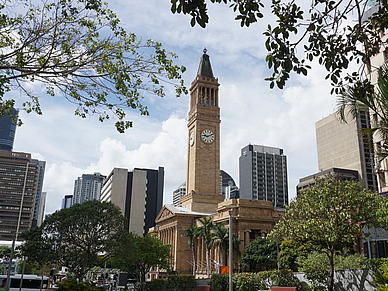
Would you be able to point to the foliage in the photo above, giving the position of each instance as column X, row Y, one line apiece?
column 376, row 263
column 260, row 253
column 73, row 285
column 77, row 49
column 192, row 234
column 265, row 280
column 173, row 283
column 77, row 237
column 381, row 278
column 316, row 266
column 282, row 278
column 5, row 252
column 306, row 31
column 34, row 268
column 151, row 253
column 289, row 251
column 329, row 215
column 246, row 282
column 205, row 231
column 219, row 282
column 125, row 254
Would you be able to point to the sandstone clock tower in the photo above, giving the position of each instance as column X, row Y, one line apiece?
column 203, row 157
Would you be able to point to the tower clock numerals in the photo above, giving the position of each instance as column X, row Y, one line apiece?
column 191, row 138
column 207, row 136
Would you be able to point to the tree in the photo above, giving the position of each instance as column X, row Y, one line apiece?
column 221, row 239
column 329, row 215
column 77, row 50
column 125, row 253
column 206, row 233
column 192, row 234
column 151, row 253
column 306, row 31
column 79, row 237
column 260, row 252
column 289, row 251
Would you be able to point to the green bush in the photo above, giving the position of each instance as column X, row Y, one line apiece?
column 375, row 264
column 73, row 285
column 219, row 282
column 282, row 278
column 246, row 282
column 175, row 282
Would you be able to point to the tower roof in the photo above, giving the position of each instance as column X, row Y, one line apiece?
column 205, row 68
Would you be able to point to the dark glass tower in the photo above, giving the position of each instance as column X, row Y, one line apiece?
column 7, row 131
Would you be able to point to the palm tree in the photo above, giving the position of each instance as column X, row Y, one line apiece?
column 221, row 239
column 192, row 234
column 375, row 99
column 206, row 232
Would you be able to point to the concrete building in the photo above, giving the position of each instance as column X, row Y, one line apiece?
column 40, row 198
column 7, row 131
column 138, row 194
column 341, row 174
column 263, row 174
column 342, row 145
column 18, row 188
column 88, row 187
column 67, row 201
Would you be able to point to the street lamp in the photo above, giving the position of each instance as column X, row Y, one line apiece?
column 230, row 250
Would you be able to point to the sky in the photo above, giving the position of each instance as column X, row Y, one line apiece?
column 250, row 111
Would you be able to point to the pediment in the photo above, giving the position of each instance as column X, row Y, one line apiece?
column 163, row 214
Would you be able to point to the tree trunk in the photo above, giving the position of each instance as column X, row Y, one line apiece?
column 194, row 262
column 330, row 286
column 207, row 262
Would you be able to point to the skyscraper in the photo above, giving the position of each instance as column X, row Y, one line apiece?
column 138, row 194
column 7, row 131
column 40, row 199
column 67, row 201
column 341, row 145
column 88, row 187
column 263, row 174
column 18, row 188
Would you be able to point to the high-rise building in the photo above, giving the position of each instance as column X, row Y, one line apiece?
column 263, row 174
column 67, row 201
column 138, row 194
column 178, row 193
column 7, row 130
column 342, row 145
column 18, row 188
column 88, row 187
column 40, row 199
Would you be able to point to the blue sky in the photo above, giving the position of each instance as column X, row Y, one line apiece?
column 250, row 111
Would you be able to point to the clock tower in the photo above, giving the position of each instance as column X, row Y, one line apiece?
column 203, row 156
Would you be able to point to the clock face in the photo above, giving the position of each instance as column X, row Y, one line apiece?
column 207, row 136
column 191, row 138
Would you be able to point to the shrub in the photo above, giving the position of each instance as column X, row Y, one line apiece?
column 219, row 282
column 282, row 278
column 246, row 282
column 175, row 282
column 73, row 285
column 375, row 264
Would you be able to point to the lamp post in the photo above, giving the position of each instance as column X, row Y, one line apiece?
column 230, row 250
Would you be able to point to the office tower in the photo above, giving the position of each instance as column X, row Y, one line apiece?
column 340, row 174
column 263, row 174
column 87, row 187
column 341, row 145
column 138, row 194
column 177, row 194
column 18, row 182
column 7, row 131
column 40, row 200
column 67, row 201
